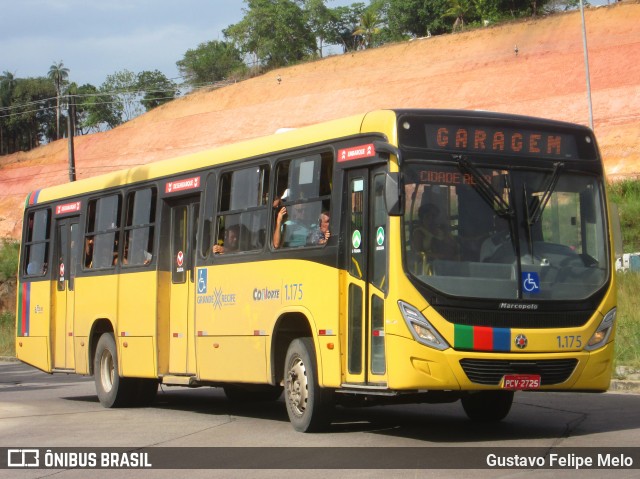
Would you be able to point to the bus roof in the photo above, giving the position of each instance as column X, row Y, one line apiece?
column 293, row 138
column 378, row 121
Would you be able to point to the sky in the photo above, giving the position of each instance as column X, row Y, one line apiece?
column 95, row 39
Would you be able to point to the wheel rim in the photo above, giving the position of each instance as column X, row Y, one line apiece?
column 297, row 387
column 107, row 371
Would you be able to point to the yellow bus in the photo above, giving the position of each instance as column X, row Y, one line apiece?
column 393, row 256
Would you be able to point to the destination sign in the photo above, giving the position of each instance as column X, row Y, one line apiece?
column 68, row 208
column 182, row 185
column 511, row 141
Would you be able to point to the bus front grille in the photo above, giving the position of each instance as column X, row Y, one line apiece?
column 490, row 372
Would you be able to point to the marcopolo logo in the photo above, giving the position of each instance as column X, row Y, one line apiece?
column 266, row 294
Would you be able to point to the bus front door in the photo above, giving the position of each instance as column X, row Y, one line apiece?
column 367, row 280
column 184, row 219
column 67, row 254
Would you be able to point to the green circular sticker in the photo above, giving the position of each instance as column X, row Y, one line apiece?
column 380, row 236
column 356, row 239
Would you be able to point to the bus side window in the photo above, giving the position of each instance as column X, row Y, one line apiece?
column 101, row 238
column 36, row 249
column 139, row 227
column 302, row 203
column 242, row 210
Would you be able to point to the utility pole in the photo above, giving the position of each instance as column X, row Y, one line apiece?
column 71, row 126
column 586, row 64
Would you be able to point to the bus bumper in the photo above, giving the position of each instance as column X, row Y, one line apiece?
column 423, row 368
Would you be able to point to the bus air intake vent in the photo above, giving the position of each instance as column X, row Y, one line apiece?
column 508, row 319
column 490, row 372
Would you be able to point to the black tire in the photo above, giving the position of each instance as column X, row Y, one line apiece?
column 113, row 390
column 309, row 406
column 487, row 406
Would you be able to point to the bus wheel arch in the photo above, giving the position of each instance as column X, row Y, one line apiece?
column 288, row 327
column 99, row 327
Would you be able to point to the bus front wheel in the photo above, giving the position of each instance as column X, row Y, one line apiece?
column 309, row 406
column 487, row 406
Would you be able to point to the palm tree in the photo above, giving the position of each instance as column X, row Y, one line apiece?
column 59, row 74
column 459, row 9
column 369, row 27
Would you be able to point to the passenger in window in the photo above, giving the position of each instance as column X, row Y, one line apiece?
column 88, row 253
column 36, row 268
column 290, row 232
column 231, row 241
column 320, row 235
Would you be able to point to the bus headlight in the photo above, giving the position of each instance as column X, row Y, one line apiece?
column 420, row 328
column 601, row 336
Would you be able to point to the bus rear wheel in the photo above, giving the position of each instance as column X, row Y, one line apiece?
column 114, row 390
column 487, row 406
column 308, row 405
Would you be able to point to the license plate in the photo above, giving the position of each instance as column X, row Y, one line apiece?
column 521, row 381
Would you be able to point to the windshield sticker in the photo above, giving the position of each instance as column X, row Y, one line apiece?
column 530, row 282
column 356, row 241
column 380, row 239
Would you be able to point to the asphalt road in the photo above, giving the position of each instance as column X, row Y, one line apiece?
column 62, row 411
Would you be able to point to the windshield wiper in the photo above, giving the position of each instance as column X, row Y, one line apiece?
column 485, row 189
column 534, row 216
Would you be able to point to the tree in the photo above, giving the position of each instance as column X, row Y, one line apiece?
column 319, row 19
column 158, row 89
column 459, row 9
column 58, row 74
column 369, row 27
column 98, row 108
column 31, row 120
column 123, row 86
column 274, row 32
column 416, row 18
column 7, row 85
column 344, row 21
column 211, row 62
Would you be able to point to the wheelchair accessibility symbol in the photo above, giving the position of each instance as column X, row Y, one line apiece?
column 202, row 281
column 530, row 282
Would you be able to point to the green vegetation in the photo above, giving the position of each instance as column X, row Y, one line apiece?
column 7, row 333
column 8, row 268
column 628, row 332
column 626, row 194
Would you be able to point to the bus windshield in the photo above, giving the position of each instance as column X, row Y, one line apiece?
column 504, row 233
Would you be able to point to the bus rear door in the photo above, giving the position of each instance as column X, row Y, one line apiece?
column 367, row 265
